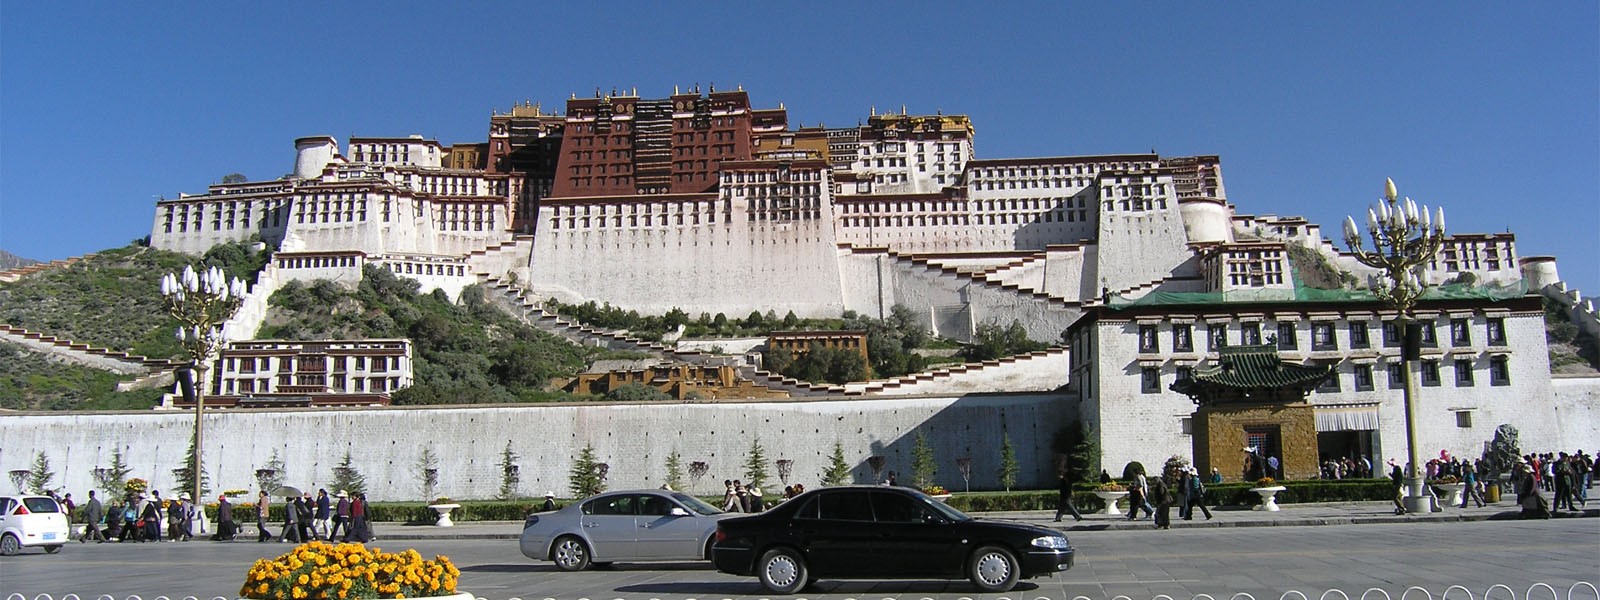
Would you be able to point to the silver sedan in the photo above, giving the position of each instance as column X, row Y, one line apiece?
column 636, row 525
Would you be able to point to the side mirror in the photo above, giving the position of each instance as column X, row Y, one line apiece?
column 678, row 512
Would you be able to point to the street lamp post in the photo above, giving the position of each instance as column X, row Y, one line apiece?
column 1404, row 238
column 201, row 301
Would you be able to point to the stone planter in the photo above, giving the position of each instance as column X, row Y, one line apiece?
column 1450, row 493
column 444, row 514
column 940, row 497
column 1269, row 498
column 459, row 595
column 1111, row 499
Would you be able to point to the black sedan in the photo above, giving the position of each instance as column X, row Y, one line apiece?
column 876, row 532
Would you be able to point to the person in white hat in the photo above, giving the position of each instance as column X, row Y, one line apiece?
column 341, row 515
column 549, row 502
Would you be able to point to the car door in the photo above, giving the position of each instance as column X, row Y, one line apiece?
column 608, row 523
column 7, row 521
column 911, row 539
column 662, row 535
column 835, row 531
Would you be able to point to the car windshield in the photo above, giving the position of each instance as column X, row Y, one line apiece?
column 696, row 504
column 41, row 505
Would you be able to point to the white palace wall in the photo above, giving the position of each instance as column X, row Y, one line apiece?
column 633, row 439
column 718, row 267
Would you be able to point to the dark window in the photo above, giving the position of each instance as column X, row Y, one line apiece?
column 891, row 507
column 1322, row 337
column 1391, row 334
column 1150, row 380
column 611, row 505
column 1184, row 374
column 1147, row 339
column 1250, row 334
column 1363, row 376
column 1358, row 335
column 1287, row 339
column 1183, row 338
column 1397, row 378
column 1464, row 418
column 1430, row 337
column 846, row 505
column 1430, row 373
column 1499, row 371
column 1463, row 372
column 1460, row 332
column 1497, row 332
column 1331, row 384
column 1218, row 336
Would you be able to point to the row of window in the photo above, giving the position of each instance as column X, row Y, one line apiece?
column 335, row 384
column 286, row 364
column 411, row 268
column 1077, row 169
column 1323, row 336
column 1361, row 376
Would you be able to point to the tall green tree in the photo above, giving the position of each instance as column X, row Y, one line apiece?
column 510, row 473
column 428, row 472
column 113, row 480
column 838, row 471
column 346, row 477
column 923, row 467
column 585, row 478
column 675, row 470
column 40, row 475
column 755, row 464
column 184, row 475
column 1008, row 462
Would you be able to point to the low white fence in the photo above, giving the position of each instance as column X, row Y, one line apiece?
column 1581, row 590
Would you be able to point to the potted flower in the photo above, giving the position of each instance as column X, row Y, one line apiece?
column 937, row 492
column 1450, row 487
column 1110, row 493
column 443, row 506
column 1268, row 489
column 350, row 571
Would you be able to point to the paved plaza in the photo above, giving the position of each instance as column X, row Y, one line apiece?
column 1310, row 548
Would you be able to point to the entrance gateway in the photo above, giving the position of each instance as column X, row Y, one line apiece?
column 1252, row 408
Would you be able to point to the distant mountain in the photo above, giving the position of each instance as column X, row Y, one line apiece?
column 12, row 261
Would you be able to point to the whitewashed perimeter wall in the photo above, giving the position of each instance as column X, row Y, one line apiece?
column 633, row 439
column 713, row 268
column 1577, row 401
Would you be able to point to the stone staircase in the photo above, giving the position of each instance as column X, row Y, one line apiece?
column 150, row 370
column 988, row 277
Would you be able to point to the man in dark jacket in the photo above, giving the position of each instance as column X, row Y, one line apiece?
column 291, row 516
column 93, row 514
column 341, row 516
column 1064, row 503
column 323, row 513
column 225, row 526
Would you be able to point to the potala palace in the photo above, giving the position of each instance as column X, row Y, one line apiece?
column 1138, row 266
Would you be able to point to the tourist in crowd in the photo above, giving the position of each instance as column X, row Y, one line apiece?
column 341, row 514
column 226, row 528
column 263, row 508
column 1473, row 488
column 324, row 512
column 549, row 502
column 304, row 513
column 291, row 529
column 1138, row 495
column 150, row 514
column 1193, row 494
column 1064, row 503
column 1161, row 495
column 93, row 515
column 730, row 497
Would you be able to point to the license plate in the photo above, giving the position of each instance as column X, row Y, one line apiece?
column 49, row 536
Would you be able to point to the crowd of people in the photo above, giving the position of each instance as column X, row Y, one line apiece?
column 148, row 518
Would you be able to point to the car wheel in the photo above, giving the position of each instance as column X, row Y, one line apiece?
column 782, row 571
column 709, row 542
column 993, row 569
column 10, row 545
column 570, row 554
column 52, row 549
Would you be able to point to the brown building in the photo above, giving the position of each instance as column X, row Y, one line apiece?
column 708, row 382
column 800, row 342
column 622, row 144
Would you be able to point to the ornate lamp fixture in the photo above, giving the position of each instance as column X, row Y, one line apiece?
column 201, row 301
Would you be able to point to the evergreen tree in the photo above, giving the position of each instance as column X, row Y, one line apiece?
column 428, row 472
column 923, row 467
column 113, row 480
column 40, row 475
column 184, row 475
column 675, row 470
column 510, row 473
column 1008, row 462
column 347, row 478
column 271, row 476
column 838, row 472
column 755, row 465
column 585, row 478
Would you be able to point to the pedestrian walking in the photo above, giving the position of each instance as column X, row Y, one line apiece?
column 263, row 510
column 1064, row 503
column 1138, row 495
column 324, row 513
column 226, row 528
column 291, row 517
column 1472, row 490
column 1196, row 496
column 93, row 516
column 1161, row 495
column 341, row 515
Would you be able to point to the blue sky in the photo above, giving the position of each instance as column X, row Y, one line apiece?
column 1489, row 109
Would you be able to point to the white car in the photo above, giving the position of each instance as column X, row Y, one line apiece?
column 32, row 521
column 637, row 525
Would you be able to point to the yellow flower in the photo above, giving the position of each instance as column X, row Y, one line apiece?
column 261, row 589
